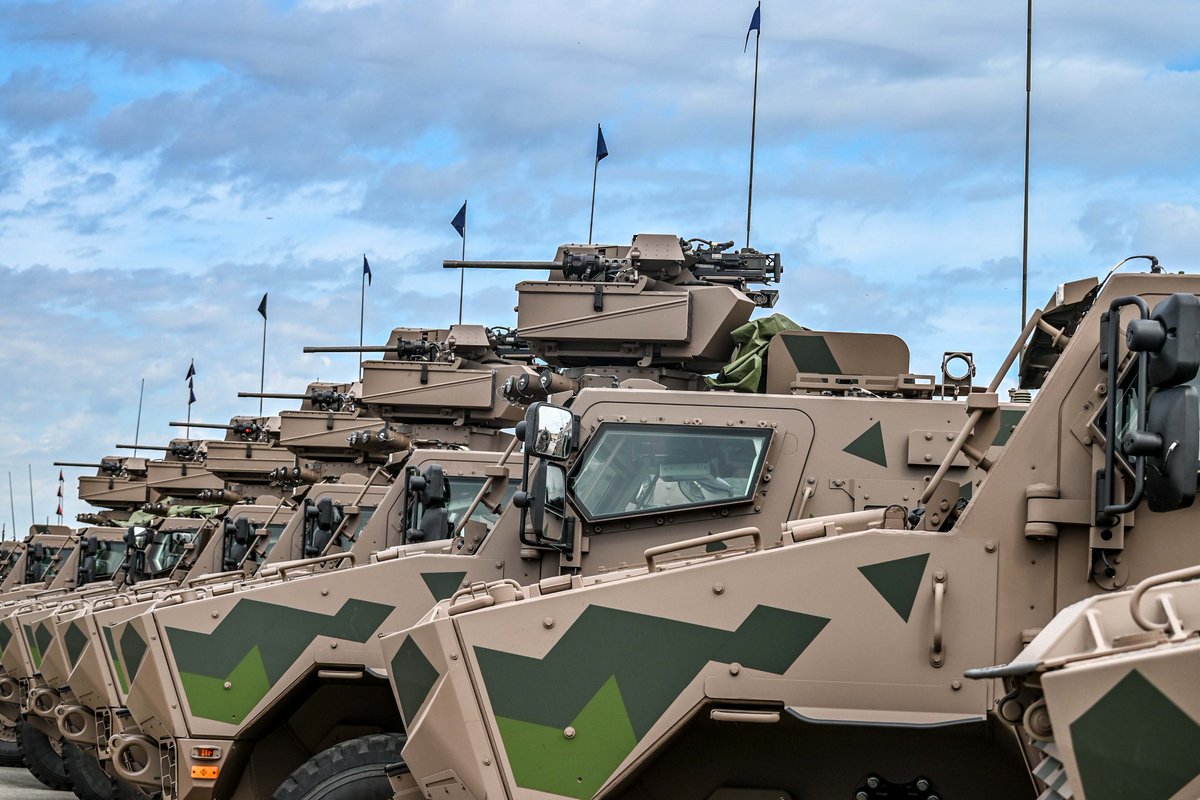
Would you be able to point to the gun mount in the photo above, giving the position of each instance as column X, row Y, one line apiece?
column 437, row 386
column 239, row 429
column 658, row 304
column 118, row 485
column 319, row 397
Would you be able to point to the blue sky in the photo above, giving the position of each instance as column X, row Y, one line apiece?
column 162, row 164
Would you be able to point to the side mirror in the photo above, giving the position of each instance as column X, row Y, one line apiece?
column 243, row 531
column 1163, row 442
column 551, row 432
column 325, row 513
column 1174, row 419
column 87, row 562
column 430, row 489
column 320, row 520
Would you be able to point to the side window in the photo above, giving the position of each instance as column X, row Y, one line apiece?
column 641, row 469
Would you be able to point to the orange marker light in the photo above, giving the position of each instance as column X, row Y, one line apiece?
column 205, row 773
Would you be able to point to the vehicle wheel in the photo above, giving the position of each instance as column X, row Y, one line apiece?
column 352, row 770
column 10, row 749
column 42, row 757
column 90, row 781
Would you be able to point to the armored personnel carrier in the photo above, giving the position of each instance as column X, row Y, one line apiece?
column 168, row 548
column 856, row 430
column 838, row 662
column 341, row 507
column 1105, row 695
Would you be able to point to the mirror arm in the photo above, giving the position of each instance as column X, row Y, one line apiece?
column 1106, row 508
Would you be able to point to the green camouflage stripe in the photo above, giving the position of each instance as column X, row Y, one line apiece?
column 75, row 641
column 611, row 676
column 258, row 642
column 133, row 650
column 413, row 676
column 1135, row 742
column 116, row 661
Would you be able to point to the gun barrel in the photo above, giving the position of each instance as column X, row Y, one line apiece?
column 209, row 425
column 160, row 447
column 77, row 464
column 276, row 395
column 350, row 348
column 451, row 264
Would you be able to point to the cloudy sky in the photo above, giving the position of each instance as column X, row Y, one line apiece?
column 162, row 164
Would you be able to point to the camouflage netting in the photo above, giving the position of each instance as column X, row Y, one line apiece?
column 746, row 370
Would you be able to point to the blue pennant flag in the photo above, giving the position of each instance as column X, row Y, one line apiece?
column 191, row 395
column 755, row 25
column 191, row 371
column 366, row 269
column 601, row 147
column 460, row 221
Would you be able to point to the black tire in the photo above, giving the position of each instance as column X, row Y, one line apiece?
column 90, row 781
column 41, row 758
column 10, row 748
column 352, row 770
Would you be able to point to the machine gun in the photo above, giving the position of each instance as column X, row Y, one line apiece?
column 246, row 429
column 427, row 345
column 661, row 308
column 114, row 467
column 319, row 399
column 660, row 257
column 178, row 451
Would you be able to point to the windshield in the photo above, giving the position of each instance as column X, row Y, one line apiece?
column 462, row 494
column 166, row 550
column 640, row 469
column 349, row 533
column 109, row 558
column 274, row 531
column 37, row 569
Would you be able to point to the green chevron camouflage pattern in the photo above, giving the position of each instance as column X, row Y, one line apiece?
column 38, row 636
column 625, row 669
column 226, row 673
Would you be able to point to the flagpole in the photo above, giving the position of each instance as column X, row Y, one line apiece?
column 12, row 504
column 1025, row 221
column 262, row 374
column 462, row 272
column 362, row 310
column 753, row 128
column 592, row 215
column 138, row 428
column 32, row 515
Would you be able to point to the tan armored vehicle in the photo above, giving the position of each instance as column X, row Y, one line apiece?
column 344, row 509
column 158, row 532
column 168, row 545
column 834, row 664
column 855, row 431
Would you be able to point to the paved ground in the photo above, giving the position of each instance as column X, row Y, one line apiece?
column 18, row 784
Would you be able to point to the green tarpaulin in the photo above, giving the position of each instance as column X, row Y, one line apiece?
column 744, row 372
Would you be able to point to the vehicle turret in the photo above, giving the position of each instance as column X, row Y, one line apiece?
column 661, row 302
column 119, row 485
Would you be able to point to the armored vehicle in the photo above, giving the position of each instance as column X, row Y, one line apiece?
column 118, row 488
column 855, row 431
column 1106, row 693
column 835, row 663
column 169, row 546
column 344, row 510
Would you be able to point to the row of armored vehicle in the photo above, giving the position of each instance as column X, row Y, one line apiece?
column 276, row 685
